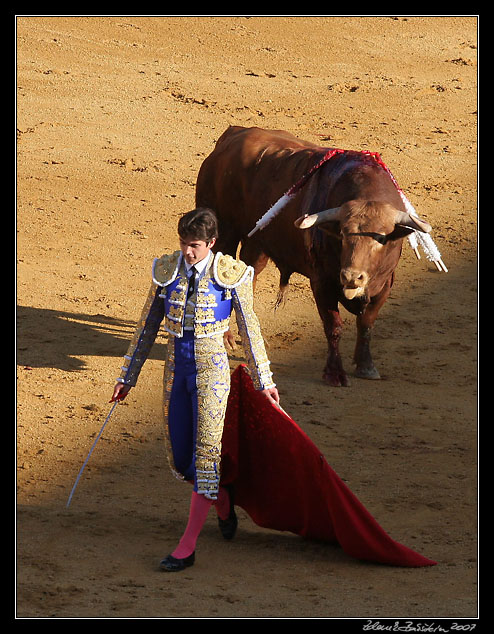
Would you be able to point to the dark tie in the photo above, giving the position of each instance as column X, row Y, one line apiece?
column 192, row 282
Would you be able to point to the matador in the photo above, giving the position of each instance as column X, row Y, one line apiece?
column 194, row 291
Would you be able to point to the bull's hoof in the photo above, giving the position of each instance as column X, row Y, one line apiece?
column 335, row 380
column 368, row 373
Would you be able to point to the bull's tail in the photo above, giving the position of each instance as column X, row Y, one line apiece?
column 283, row 289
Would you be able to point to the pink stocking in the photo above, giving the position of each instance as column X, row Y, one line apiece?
column 199, row 508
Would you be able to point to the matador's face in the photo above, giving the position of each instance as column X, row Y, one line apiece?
column 195, row 250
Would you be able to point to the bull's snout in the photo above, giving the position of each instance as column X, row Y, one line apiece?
column 354, row 282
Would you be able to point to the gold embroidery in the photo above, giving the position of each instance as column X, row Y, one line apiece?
column 203, row 285
column 213, row 387
column 165, row 268
column 228, row 271
column 204, row 315
column 250, row 333
column 206, row 300
column 177, row 296
column 213, row 371
column 137, row 332
column 175, row 317
column 210, row 329
column 173, row 327
column 175, row 313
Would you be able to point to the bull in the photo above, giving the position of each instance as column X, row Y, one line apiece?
column 343, row 231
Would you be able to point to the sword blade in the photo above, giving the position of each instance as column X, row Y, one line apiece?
column 89, row 454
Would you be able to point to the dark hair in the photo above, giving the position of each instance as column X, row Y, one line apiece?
column 200, row 224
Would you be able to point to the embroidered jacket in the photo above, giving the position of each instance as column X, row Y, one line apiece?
column 226, row 285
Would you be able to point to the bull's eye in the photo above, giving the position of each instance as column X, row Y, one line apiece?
column 380, row 238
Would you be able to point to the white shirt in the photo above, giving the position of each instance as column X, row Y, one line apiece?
column 199, row 266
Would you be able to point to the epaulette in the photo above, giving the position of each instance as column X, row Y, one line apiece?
column 228, row 271
column 165, row 268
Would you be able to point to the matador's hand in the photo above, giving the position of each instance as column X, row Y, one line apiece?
column 120, row 391
column 271, row 393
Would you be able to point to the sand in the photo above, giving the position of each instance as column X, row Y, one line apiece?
column 114, row 116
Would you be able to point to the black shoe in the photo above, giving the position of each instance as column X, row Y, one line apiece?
column 228, row 527
column 171, row 564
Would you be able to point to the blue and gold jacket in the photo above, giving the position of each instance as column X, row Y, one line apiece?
column 225, row 286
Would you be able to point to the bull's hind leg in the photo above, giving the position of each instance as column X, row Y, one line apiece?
column 252, row 255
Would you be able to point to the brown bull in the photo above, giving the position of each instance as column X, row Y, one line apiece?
column 343, row 230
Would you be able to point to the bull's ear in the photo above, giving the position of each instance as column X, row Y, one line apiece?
column 332, row 228
column 400, row 231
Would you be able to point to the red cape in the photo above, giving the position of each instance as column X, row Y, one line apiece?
column 283, row 481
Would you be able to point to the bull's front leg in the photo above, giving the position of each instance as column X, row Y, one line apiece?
column 365, row 368
column 364, row 364
column 334, row 373
column 326, row 297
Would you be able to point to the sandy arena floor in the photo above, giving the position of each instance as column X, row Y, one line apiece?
column 114, row 116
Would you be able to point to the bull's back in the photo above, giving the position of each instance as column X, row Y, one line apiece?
column 248, row 171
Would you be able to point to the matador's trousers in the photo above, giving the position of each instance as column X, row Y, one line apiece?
column 196, row 388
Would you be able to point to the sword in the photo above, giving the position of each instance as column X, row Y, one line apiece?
column 90, row 452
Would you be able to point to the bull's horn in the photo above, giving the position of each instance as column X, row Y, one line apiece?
column 328, row 215
column 403, row 218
